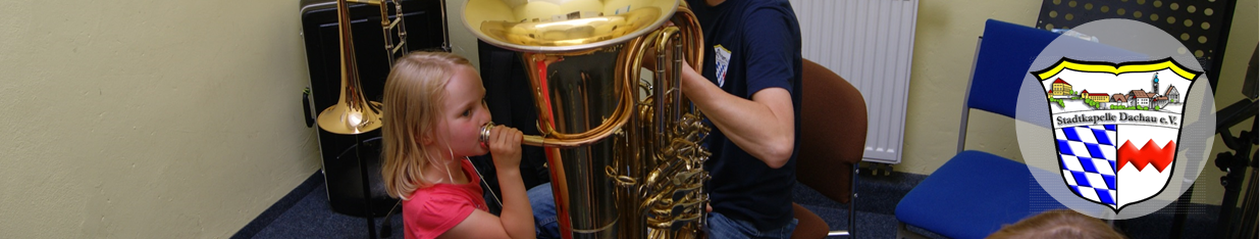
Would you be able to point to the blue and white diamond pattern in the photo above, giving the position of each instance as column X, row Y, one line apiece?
column 1087, row 155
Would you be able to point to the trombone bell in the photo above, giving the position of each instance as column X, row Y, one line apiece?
column 351, row 117
column 353, row 113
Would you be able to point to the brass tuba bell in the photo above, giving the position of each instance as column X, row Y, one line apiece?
column 622, row 142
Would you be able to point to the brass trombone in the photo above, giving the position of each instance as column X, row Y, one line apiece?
column 353, row 113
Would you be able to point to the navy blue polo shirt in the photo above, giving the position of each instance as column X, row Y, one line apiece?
column 750, row 45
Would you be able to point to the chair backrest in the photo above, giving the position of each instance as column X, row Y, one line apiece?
column 1002, row 59
column 833, row 131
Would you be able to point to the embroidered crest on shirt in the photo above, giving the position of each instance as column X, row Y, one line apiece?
column 723, row 62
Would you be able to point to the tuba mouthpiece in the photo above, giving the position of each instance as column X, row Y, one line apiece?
column 485, row 133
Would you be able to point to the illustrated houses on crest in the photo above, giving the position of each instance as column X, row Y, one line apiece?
column 1062, row 90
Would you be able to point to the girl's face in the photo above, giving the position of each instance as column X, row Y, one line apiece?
column 463, row 113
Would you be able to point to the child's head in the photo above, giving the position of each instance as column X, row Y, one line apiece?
column 432, row 114
column 1061, row 223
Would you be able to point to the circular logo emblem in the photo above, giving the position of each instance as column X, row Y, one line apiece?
column 1115, row 119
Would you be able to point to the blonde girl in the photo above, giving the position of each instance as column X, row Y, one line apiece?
column 433, row 114
column 1058, row 223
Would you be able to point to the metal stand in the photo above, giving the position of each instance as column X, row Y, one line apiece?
column 1237, row 222
column 1181, row 208
column 367, row 188
column 1234, row 222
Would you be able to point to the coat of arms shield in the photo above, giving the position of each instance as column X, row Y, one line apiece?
column 1116, row 126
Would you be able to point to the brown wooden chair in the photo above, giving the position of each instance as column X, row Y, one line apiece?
column 833, row 135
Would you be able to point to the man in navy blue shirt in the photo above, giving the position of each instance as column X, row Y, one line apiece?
column 750, row 90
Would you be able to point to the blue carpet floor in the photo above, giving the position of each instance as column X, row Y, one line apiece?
column 305, row 213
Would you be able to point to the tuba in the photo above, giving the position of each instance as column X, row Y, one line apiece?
column 622, row 142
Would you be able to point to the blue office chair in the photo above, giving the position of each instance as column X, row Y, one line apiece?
column 975, row 193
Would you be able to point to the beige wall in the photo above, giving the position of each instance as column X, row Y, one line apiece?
column 462, row 41
column 181, row 119
column 944, row 48
column 148, row 119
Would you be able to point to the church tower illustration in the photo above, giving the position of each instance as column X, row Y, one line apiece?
column 1155, row 84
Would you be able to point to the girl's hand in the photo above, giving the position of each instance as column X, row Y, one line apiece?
column 505, row 146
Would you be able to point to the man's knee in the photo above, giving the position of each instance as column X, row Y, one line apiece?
column 543, row 202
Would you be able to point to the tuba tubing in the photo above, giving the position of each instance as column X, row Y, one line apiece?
column 685, row 24
column 623, row 152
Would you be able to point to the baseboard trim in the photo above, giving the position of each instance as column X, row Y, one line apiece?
column 275, row 210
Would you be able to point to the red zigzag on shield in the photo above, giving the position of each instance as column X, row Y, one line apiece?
column 1150, row 153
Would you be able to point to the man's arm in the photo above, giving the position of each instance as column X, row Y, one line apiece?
column 763, row 126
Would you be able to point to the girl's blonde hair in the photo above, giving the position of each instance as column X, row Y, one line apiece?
column 1059, row 223
column 414, row 92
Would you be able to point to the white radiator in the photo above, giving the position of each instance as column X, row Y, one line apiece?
column 870, row 43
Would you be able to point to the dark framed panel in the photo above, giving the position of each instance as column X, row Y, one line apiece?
column 1201, row 25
